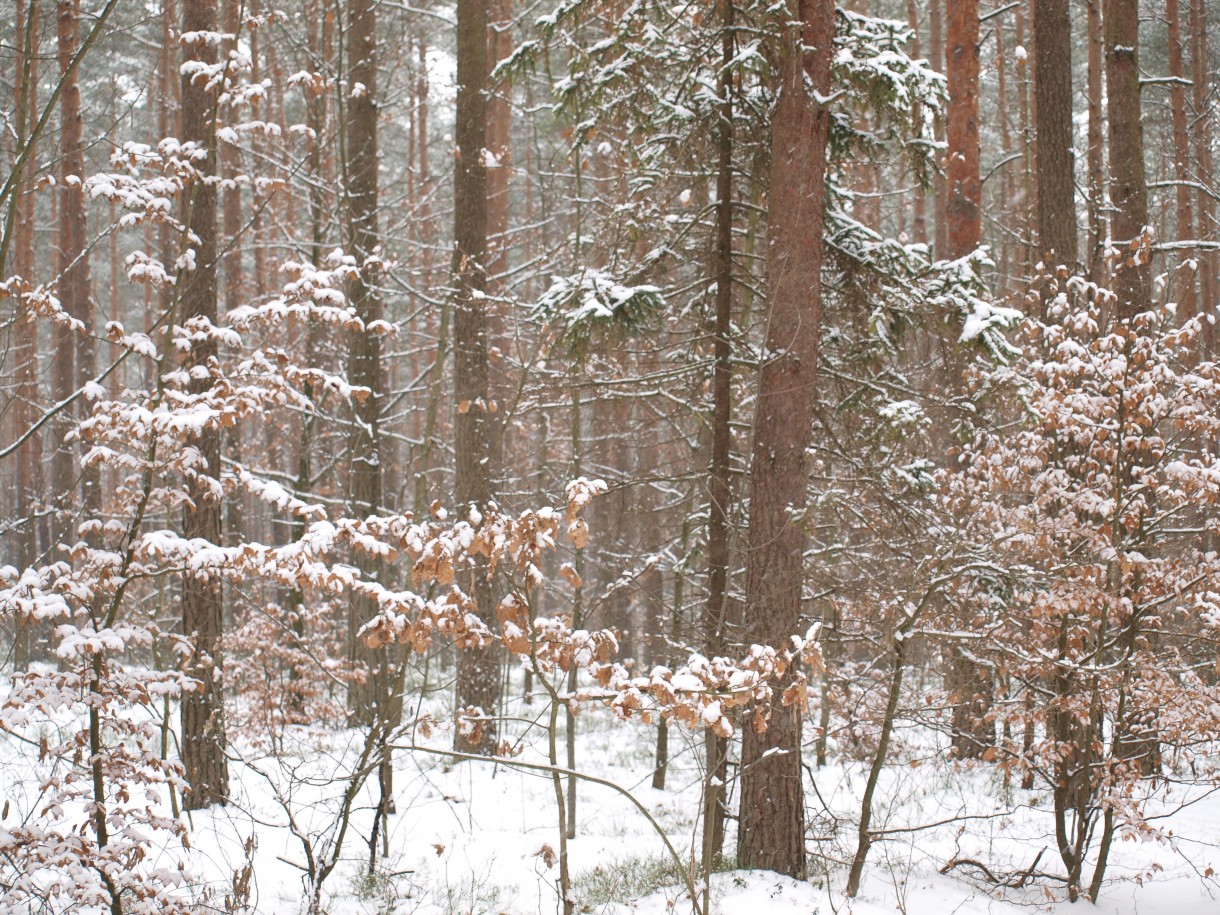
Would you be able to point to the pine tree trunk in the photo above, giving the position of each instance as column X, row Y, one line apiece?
column 499, row 124
column 715, row 622
column 1184, row 276
column 1096, row 144
column 234, row 282
column 1004, row 205
column 372, row 699
column 478, row 674
column 771, row 833
column 1053, row 125
column 1132, row 281
column 20, row 222
column 919, row 217
column 203, row 733
column 79, row 362
column 964, row 211
column 940, row 194
column 1209, row 272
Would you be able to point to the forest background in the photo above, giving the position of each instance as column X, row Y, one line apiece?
column 831, row 384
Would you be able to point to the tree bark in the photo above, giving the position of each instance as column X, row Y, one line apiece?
column 372, row 701
column 1096, row 144
column 203, row 733
column 25, row 350
column 75, row 357
column 719, row 493
column 964, row 212
column 1132, row 280
column 1184, row 280
column 919, row 218
column 940, row 194
column 1055, row 163
column 234, row 281
column 771, row 832
column 499, row 125
column 1209, row 280
column 478, row 675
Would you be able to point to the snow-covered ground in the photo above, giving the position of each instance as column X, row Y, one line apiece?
column 472, row 837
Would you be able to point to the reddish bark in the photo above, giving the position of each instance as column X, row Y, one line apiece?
column 771, row 831
column 964, row 213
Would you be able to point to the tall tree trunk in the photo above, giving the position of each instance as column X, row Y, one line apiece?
column 965, row 233
column 478, row 675
column 234, row 282
column 75, row 360
column 1132, row 281
column 940, row 197
column 371, row 700
column 1053, row 125
column 964, row 211
column 771, row 833
column 1096, row 144
column 1184, row 281
column 1004, row 206
column 20, row 222
column 1209, row 273
column 715, row 621
column 919, row 217
column 499, row 124
column 203, row 733
column 1029, row 189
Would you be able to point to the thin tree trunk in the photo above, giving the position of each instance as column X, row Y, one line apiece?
column 203, row 733
column 478, row 675
column 940, row 200
column 1132, row 281
column 1096, row 144
column 499, row 124
column 919, row 218
column 1004, row 205
column 234, row 282
column 75, row 287
column 1184, row 279
column 771, row 833
column 715, row 623
column 20, row 221
column 1209, row 273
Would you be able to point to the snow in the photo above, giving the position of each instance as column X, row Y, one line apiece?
column 478, row 836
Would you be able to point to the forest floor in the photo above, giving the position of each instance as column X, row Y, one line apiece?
column 469, row 837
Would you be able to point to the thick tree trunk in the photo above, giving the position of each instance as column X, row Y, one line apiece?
column 203, row 733
column 478, row 675
column 1132, row 281
column 771, row 833
column 964, row 211
column 1053, row 125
